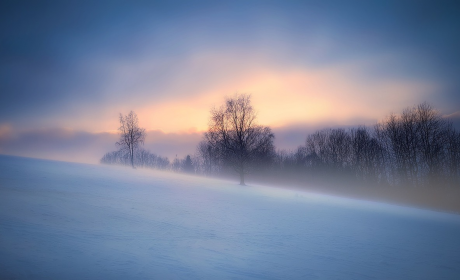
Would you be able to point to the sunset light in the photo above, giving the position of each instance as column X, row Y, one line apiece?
column 229, row 139
column 305, row 66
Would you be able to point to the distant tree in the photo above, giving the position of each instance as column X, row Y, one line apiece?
column 176, row 165
column 187, row 165
column 209, row 158
column 419, row 147
column 131, row 135
column 142, row 158
column 453, row 156
column 234, row 136
column 366, row 154
column 433, row 133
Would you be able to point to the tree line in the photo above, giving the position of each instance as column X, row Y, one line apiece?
column 416, row 148
column 140, row 158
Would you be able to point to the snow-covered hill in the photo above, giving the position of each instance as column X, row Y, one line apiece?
column 63, row 220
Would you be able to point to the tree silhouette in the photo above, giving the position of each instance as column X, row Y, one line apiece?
column 131, row 135
column 187, row 165
column 234, row 136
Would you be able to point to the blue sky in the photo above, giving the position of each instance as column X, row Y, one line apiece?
column 69, row 68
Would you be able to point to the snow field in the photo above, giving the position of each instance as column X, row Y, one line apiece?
column 62, row 220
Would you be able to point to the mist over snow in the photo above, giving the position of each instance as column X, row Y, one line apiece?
column 61, row 220
column 89, row 147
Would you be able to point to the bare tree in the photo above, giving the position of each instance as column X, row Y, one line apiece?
column 419, row 147
column 235, row 137
column 209, row 156
column 142, row 158
column 453, row 155
column 131, row 135
column 433, row 132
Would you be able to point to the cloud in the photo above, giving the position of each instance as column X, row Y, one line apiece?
column 81, row 146
column 282, row 92
column 172, row 144
column 89, row 147
column 62, row 69
column 76, row 66
column 57, row 144
column 284, row 95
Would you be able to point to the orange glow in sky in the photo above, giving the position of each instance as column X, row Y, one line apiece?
column 283, row 95
column 306, row 65
column 284, row 98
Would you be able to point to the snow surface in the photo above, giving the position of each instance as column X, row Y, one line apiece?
column 62, row 220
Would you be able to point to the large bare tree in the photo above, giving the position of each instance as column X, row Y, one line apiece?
column 235, row 137
column 131, row 135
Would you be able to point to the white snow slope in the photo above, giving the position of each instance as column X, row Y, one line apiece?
column 63, row 220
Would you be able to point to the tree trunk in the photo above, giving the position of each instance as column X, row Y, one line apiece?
column 132, row 158
column 242, row 179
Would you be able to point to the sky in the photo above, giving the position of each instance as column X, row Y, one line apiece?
column 69, row 68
